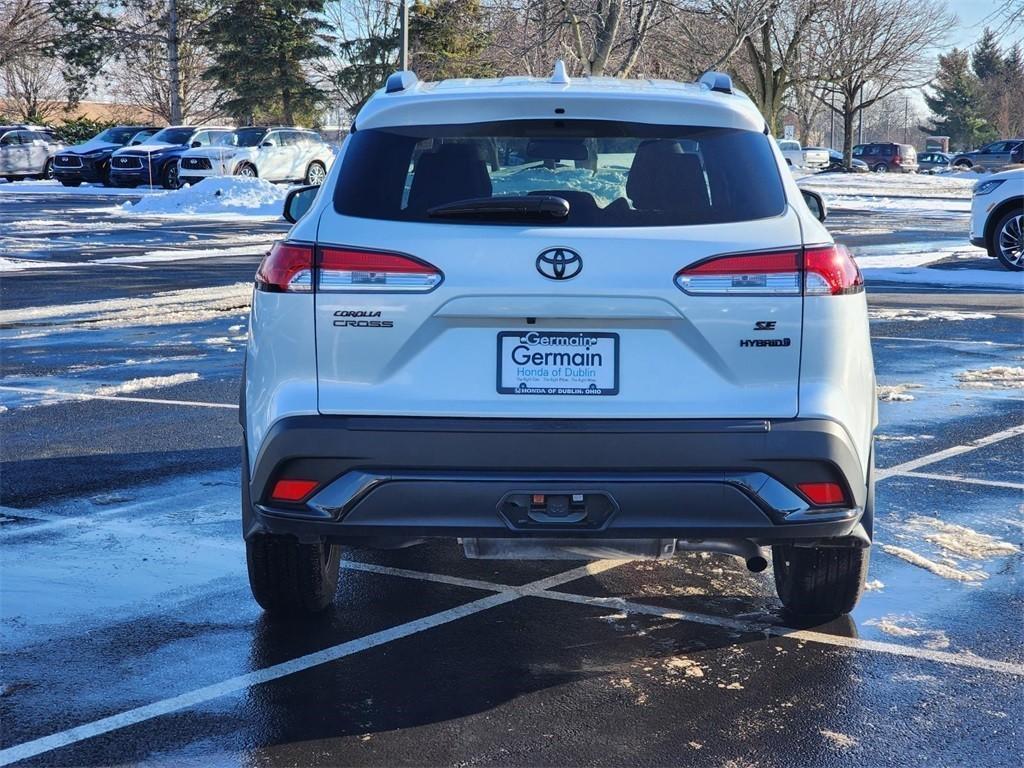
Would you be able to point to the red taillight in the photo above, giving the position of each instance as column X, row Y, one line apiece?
column 822, row 494
column 288, row 267
column 831, row 270
column 292, row 490
column 817, row 270
column 346, row 269
column 774, row 272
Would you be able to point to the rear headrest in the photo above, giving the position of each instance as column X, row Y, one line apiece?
column 449, row 173
column 665, row 178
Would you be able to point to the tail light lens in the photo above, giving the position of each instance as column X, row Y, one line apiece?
column 823, row 494
column 829, row 270
column 776, row 273
column 288, row 267
column 816, row 270
column 344, row 269
column 291, row 267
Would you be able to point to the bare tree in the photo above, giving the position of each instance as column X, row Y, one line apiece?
column 24, row 27
column 875, row 48
column 33, row 88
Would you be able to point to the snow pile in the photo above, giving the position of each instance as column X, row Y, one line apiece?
column 148, row 382
column 920, row 315
column 896, row 393
column 899, row 184
column 606, row 186
column 233, row 195
column 996, row 377
column 939, row 569
column 959, row 540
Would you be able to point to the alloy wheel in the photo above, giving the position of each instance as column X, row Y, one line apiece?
column 316, row 174
column 1011, row 241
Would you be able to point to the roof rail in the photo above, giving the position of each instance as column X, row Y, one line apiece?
column 399, row 81
column 716, row 81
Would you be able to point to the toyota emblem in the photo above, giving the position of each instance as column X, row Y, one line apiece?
column 559, row 263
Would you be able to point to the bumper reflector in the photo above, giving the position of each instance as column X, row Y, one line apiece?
column 292, row 490
column 822, row 494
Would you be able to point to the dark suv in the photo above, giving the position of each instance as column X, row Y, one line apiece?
column 156, row 161
column 90, row 161
column 885, row 156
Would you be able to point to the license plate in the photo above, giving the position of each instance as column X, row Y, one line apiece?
column 558, row 363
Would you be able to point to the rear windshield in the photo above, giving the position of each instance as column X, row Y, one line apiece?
column 612, row 174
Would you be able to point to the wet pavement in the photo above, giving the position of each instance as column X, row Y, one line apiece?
column 130, row 636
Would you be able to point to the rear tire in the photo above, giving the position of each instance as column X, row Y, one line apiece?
column 170, row 176
column 47, row 173
column 881, row 168
column 288, row 577
column 316, row 173
column 819, row 582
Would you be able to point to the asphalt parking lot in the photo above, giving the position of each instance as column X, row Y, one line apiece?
column 130, row 636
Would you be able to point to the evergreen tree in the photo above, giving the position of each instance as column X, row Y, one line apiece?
column 955, row 102
column 367, row 63
column 987, row 58
column 1013, row 72
column 260, row 49
column 447, row 38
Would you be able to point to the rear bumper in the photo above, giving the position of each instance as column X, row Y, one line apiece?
column 397, row 479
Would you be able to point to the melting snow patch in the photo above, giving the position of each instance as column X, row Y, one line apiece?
column 838, row 740
column 874, row 586
column 960, row 540
column 939, row 569
column 896, row 393
column 934, row 638
column 148, row 382
column 902, row 438
column 996, row 377
column 918, row 315
column 233, row 195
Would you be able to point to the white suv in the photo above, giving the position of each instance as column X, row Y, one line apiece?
column 559, row 319
column 997, row 217
column 274, row 154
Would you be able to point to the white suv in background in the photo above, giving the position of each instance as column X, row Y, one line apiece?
column 997, row 217
column 559, row 319
column 274, row 154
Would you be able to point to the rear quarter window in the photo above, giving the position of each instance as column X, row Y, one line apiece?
column 612, row 174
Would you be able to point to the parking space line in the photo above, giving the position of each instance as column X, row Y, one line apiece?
column 856, row 643
column 268, row 674
column 964, row 479
column 956, row 450
column 125, row 398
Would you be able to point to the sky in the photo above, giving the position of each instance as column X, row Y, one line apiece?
column 973, row 15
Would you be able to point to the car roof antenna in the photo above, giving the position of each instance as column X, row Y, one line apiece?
column 559, row 76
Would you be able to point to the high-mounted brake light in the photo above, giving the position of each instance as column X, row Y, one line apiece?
column 816, row 270
column 831, row 270
column 345, row 269
column 288, row 267
column 292, row 490
column 823, row 494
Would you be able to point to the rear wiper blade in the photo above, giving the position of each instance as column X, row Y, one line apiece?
column 505, row 207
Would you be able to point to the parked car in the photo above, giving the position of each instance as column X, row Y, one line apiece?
column 997, row 217
column 930, row 162
column 26, row 151
column 446, row 346
column 90, row 161
column 812, row 158
column 156, row 161
column 990, row 157
column 835, row 161
column 885, row 157
column 1017, row 154
column 284, row 153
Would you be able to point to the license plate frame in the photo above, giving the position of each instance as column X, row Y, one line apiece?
column 575, row 383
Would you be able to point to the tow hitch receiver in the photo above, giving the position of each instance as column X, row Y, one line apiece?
column 542, row 510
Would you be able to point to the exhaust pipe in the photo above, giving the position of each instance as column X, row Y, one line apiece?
column 756, row 564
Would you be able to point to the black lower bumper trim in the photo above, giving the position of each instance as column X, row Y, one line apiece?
column 446, row 477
